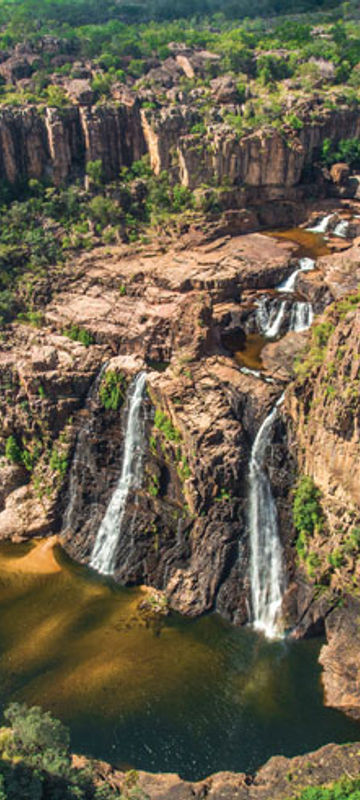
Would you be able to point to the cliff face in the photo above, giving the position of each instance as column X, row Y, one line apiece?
column 279, row 779
column 323, row 432
column 184, row 526
column 58, row 143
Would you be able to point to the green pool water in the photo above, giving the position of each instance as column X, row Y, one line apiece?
column 193, row 697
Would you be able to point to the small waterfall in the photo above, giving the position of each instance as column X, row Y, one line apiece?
column 301, row 317
column 342, row 229
column 269, row 317
column 104, row 551
column 323, row 225
column 289, row 285
column 256, row 374
column 266, row 565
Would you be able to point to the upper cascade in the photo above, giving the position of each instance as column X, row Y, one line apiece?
column 323, row 224
column 104, row 553
column 289, row 285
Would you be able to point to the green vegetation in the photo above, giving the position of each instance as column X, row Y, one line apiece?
column 349, row 303
column 112, row 390
column 154, row 485
column 78, row 334
column 163, row 423
column 42, row 229
column 307, row 512
column 315, row 354
column 344, row 789
column 35, row 762
column 346, row 151
column 59, row 462
column 12, row 450
column 308, row 519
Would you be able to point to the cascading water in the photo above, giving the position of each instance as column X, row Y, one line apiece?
column 301, row 317
column 104, row 552
column 289, row 285
column 342, row 229
column 323, row 224
column 266, row 563
column 256, row 374
column 270, row 317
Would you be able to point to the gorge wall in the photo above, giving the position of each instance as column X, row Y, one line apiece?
column 57, row 144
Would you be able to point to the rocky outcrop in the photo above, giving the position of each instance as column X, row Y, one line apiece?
column 278, row 779
column 340, row 659
column 57, row 144
column 323, row 429
column 184, row 526
column 44, row 380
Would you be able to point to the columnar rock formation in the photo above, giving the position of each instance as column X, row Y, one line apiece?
column 57, row 144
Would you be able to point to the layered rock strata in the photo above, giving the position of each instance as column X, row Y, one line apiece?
column 57, row 144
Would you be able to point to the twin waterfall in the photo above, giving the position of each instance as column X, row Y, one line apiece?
column 103, row 557
column 273, row 315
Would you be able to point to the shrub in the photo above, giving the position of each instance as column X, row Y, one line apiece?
column 164, row 424
column 112, row 390
column 59, row 462
column 77, row 334
column 347, row 150
column 336, row 558
column 307, row 512
column 36, row 762
column 38, row 737
column 12, row 450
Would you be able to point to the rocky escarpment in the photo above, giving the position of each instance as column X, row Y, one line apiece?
column 323, row 428
column 201, row 417
column 57, row 144
column 278, row 779
column 184, row 526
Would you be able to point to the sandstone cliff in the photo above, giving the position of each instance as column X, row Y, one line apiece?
column 57, row 144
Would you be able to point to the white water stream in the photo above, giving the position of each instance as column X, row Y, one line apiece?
column 266, row 563
column 323, row 224
column 301, row 316
column 104, row 553
column 342, row 229
column 269, row 317
column 289, row 285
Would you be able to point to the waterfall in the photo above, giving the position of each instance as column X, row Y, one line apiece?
column 274, row 326
column 266, row 567
column 108, row 535
column 323, row 224
column 342, row 229
column 256, row 374
column 289, row 284
column 269, row 317
column 301, row 317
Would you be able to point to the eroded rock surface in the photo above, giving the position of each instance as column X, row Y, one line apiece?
column 278, row 779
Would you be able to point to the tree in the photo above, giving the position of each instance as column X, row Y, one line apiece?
column 94, row 170
column 39, row 738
